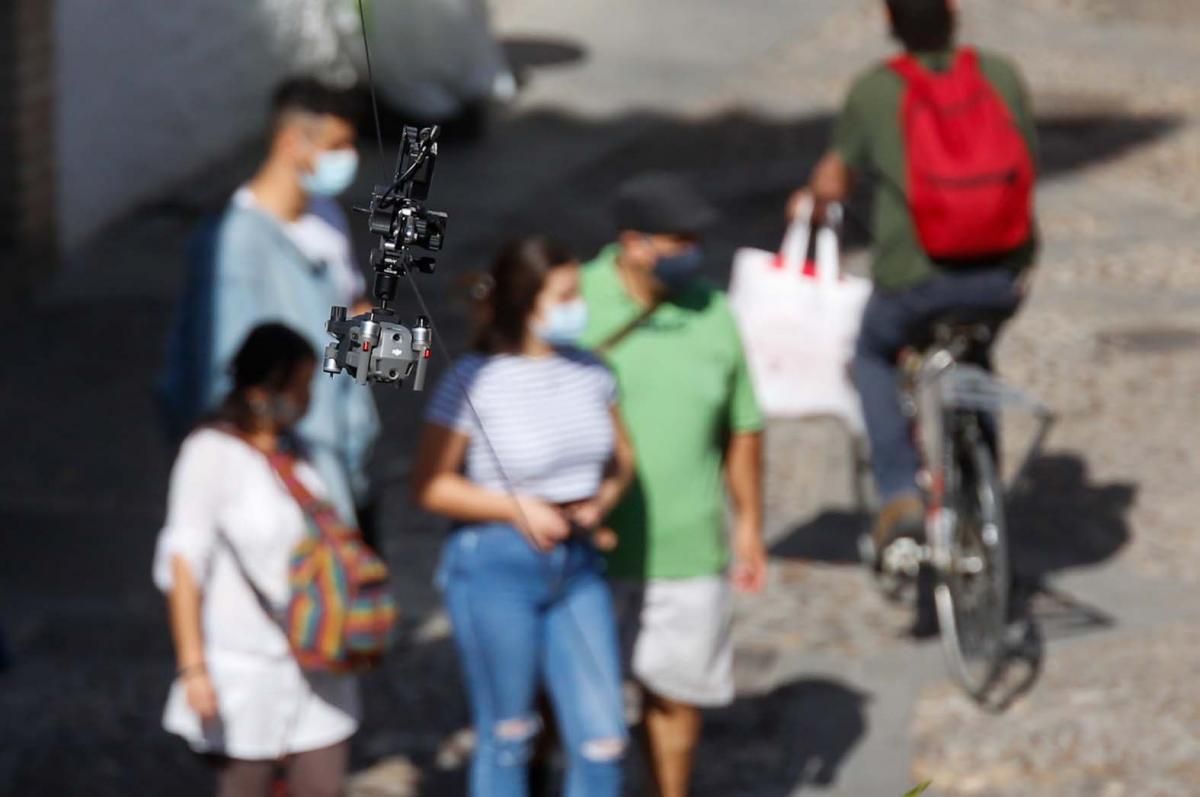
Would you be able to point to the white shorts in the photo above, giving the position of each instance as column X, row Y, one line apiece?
column 676, row 637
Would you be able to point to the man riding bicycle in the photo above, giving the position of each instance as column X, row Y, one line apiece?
column 947, row 137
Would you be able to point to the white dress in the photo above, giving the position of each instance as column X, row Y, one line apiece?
column 267, row 706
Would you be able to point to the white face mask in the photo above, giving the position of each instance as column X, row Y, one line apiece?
column 563, row 324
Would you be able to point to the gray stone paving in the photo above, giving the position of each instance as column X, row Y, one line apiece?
column 836, row 696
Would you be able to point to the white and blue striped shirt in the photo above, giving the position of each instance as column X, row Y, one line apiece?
column 547, row 420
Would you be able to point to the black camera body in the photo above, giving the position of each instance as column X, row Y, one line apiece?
column 397, row 214
column 376, row 346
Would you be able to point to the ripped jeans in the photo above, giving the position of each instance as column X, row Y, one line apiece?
column 523, row 620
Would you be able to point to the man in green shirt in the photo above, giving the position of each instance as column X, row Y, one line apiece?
column 911, row 287
column 696, row 428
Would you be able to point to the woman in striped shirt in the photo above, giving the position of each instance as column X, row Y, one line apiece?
column 523, row 447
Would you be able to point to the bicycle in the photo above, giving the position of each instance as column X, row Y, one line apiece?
column 954, row 402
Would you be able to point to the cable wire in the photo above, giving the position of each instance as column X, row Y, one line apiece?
column 362, row 18
column 509, row 487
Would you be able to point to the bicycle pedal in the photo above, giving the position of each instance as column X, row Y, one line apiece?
column 904, row 557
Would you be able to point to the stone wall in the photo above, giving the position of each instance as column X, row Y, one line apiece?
column 26, row 141
column 148, row 93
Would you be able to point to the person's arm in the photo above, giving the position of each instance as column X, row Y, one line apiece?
column 619, row 473
column 744, row 474
column 617, row 477
column 440, row 487
column 183, row 603
column 182, row 558
column 832, row 179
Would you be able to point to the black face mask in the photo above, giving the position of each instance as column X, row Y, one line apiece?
column 677, row 271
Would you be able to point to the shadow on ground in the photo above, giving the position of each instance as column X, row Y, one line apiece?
column 526, row 54
column 771, row 744
column 831, row 537
column 1063, row 520
column 1057, row 520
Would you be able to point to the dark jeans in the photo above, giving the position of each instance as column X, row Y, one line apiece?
column 893, row 321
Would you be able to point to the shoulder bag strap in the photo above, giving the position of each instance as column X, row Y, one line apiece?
column 612, row 341
column 260, row 596
column 223, row 539
column 320, row 513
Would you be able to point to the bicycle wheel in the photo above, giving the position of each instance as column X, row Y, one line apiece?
column 971, row 595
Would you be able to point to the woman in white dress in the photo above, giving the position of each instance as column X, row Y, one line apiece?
column 222, row 560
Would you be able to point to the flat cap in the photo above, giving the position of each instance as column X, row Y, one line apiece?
column 659, row 203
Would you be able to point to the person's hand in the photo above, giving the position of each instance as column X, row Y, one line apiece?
column 797, row 202
column 587, row 514
column 800, row 200
column 749, row 559
column 201, row 697
column 361, row 307
column 543, row 524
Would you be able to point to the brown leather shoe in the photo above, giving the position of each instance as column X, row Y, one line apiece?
column 903, row 516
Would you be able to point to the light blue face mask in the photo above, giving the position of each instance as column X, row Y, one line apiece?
column 564, row 323
column 333, row 172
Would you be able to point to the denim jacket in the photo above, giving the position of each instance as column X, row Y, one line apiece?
column 261, row 276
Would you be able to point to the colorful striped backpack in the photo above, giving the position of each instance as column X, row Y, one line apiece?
column 341, row 612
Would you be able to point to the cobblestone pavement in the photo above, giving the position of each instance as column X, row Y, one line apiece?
column 1105, row 720
column 836, row 696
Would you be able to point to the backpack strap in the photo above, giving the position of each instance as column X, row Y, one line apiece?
column 908, row 68
column 967, row 58
column 913, row 71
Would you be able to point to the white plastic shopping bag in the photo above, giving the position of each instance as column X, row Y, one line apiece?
column 799, row 316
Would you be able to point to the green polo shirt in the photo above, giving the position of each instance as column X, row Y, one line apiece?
column 685, row 389
column 869, row 137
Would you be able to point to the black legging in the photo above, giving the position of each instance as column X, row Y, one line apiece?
column 314, row 773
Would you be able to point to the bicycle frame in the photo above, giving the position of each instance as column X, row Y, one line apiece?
column 967, row 387
column 948, row 397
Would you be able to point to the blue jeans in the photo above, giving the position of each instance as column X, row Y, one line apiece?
column 524, row 619
column 893, row 321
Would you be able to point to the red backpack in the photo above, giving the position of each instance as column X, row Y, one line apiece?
column 970, row 171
